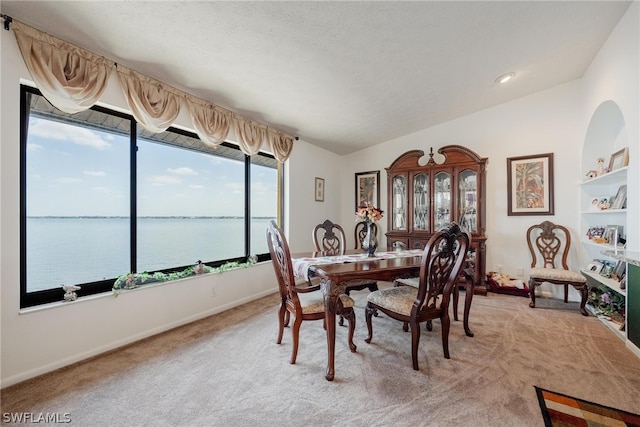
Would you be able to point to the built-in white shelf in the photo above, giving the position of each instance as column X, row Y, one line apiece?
column 608, row 178
column 614, row 285
column 613, row 326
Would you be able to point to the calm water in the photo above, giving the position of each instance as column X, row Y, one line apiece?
column 76, row 250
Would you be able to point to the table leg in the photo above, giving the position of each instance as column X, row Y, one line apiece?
column 467, row 306
column 330, row 307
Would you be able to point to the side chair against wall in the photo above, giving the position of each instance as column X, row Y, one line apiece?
column 442, row 260
column 301, row 301
column 546, row 242
column 329, row 238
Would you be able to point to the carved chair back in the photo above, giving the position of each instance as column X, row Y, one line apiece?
column 329, row 238
column 546, row 242
column 282, row 265
column 440, row 267
column 360, row 232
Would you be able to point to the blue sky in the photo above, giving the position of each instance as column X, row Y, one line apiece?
column 76, row 171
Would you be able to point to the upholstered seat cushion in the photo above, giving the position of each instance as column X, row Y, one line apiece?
column 399, row 299
column 313, row 302
column 410, row 281
column 556, row 274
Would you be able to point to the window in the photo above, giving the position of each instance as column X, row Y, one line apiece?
column 100, row 198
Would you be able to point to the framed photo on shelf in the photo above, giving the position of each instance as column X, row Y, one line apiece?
column 530, row 185
column 612, row 234
column 607, row 270
column 620, row 201
column 368, row 188
column 619, row 159
column 319, row 189
column 620, row 271
column 594, row 267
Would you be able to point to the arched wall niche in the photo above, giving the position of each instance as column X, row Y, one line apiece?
column 606, row 134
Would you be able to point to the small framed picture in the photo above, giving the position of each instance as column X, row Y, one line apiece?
column 613, row 233
column 619, row 159
column 620, row 200
column 607, row 270
column 619, row 272
column 594, row 267
column 319, row 189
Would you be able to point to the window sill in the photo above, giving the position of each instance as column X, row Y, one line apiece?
column 117, row 292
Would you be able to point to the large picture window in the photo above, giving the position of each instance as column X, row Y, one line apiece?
column 100, row 198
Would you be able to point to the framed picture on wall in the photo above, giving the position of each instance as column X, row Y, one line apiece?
column 367, row 188
column 319, row 189
column 530, row 185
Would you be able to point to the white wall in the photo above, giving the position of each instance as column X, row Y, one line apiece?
column 302, row 212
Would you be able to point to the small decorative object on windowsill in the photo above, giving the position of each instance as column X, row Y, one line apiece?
column 199, row 268
column 369, row 214
column 70, row 292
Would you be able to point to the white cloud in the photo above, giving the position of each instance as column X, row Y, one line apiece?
column 196, row 186
column 64, row 132
column 182, row 171
column 94, row 173
column 235, row 187
column 34, row 147
column 68, row 180
column 101, row 190
column 164, row 180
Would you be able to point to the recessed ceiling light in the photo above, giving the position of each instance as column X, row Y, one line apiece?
column 505, row 77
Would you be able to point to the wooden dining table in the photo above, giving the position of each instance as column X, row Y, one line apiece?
column 387, row 266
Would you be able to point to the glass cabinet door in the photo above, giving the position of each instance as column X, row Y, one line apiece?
column 399, row 205
column 468, row 201
column 442, row 200
column 421, row 202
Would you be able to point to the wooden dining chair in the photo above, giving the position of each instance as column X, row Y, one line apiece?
column 550, row 243
column 329, row 238
column 442, row 259
column 301, row 301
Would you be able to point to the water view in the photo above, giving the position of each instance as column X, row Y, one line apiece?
column 73, row 250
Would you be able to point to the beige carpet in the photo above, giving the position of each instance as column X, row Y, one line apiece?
column 227, row 370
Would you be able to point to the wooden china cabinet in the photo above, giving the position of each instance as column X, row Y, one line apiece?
column 423, row 198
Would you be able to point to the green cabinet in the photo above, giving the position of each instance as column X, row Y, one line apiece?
column 633, row 304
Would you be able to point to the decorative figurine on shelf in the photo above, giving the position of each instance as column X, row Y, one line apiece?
column 592, row 174
column 601, row 168
column 70, row 292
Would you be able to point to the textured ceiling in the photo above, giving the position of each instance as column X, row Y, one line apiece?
column 340, row 75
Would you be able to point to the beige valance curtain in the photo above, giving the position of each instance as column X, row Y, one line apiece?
column 250, row 135
column 74, row 79
column 154, row 105
column 211, row 123
column 281, row 145
column 71, row 78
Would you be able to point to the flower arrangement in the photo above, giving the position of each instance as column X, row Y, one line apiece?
column 607, row 303
column 368, row 213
